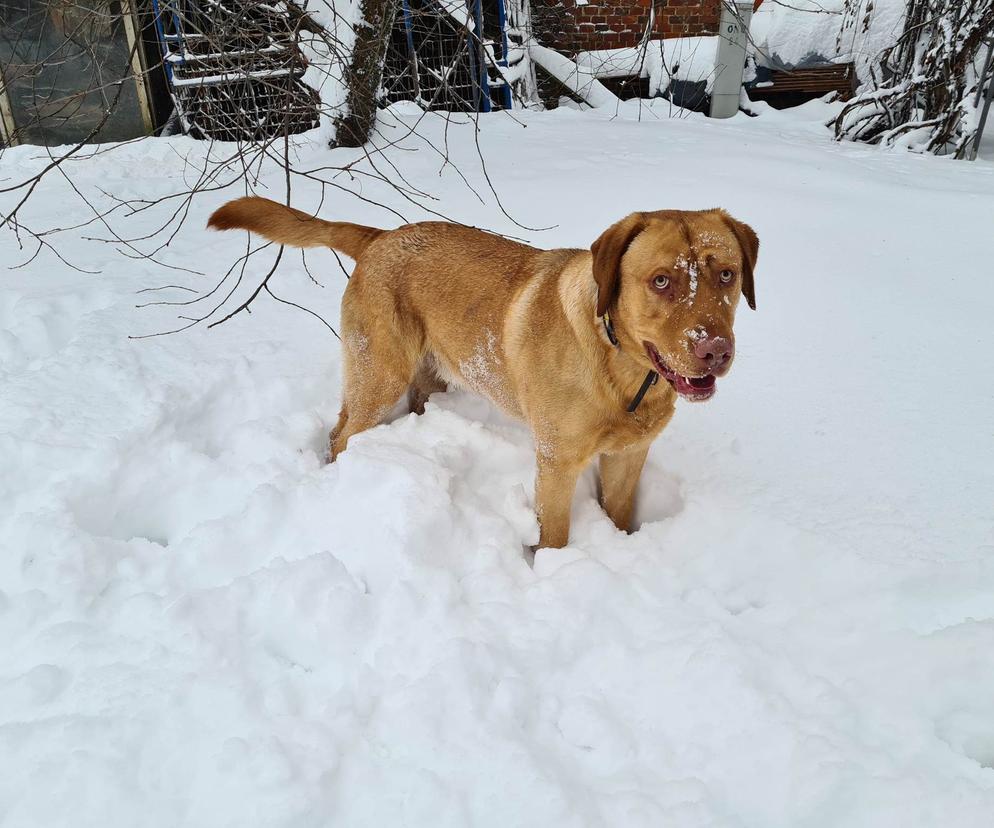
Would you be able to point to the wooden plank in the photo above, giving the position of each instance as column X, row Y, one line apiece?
column 835, row 77
column 137, row 64
column 7, row 125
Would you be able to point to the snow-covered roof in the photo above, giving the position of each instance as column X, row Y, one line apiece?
column 679, row 58
column 806, row 32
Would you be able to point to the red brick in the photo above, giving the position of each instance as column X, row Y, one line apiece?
column 610, row 24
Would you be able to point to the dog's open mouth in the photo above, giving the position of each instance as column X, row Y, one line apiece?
column 695, row 389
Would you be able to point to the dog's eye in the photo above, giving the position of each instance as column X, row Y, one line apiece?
column 661, row 282
column 726, row 276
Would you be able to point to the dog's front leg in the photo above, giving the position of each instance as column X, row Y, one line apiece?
column 620, row 475
column 555, row 483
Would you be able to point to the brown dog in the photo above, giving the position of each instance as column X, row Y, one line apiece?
column 564, row 339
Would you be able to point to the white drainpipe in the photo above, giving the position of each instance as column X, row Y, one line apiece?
column 733, row 34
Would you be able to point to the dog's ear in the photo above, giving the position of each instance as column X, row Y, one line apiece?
column 749, row 242
column 608, row 250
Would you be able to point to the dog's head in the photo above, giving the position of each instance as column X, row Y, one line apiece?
column 671, row 282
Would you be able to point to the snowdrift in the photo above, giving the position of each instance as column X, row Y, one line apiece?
column 203, row 624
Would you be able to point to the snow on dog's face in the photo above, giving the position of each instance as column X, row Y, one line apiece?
column 671, row 282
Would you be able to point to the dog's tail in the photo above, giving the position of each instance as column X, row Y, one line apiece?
column 284, row 225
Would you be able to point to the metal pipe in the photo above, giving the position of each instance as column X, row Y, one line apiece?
column 485, row 103
column 989, row 77
column 412, row 53
column 733, row 33
column 502, row 20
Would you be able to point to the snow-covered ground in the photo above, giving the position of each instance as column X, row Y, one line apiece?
column 201, row 624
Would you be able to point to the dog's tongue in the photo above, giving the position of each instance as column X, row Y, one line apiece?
column 694, row 387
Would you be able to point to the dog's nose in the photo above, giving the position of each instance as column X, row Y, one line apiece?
column 716, row 351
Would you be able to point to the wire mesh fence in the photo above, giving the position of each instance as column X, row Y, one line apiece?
column 235, row 68
column 449, row 57
column 230, row 70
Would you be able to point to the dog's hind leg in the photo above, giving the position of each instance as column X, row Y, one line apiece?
column 378, row 365
column 343, row 418
column 425, row 383
column 370, row 393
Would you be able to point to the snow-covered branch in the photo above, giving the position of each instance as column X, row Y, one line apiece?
column 925, row 90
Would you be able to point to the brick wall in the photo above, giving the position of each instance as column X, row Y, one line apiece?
column 611, row 24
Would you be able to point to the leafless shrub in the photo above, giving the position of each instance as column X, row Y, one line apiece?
column 245, row 75
column 925, row 88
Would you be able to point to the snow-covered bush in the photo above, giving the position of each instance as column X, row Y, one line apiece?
column 923, row 94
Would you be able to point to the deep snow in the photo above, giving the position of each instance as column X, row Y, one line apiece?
column 202, row 624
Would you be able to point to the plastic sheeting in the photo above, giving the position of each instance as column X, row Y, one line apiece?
column 65, row 63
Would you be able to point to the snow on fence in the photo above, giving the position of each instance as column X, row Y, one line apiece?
column 580, row 81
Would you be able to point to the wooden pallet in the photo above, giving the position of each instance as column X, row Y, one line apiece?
column 814, row 80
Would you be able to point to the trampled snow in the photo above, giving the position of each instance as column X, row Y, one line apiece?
column 202, row 624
